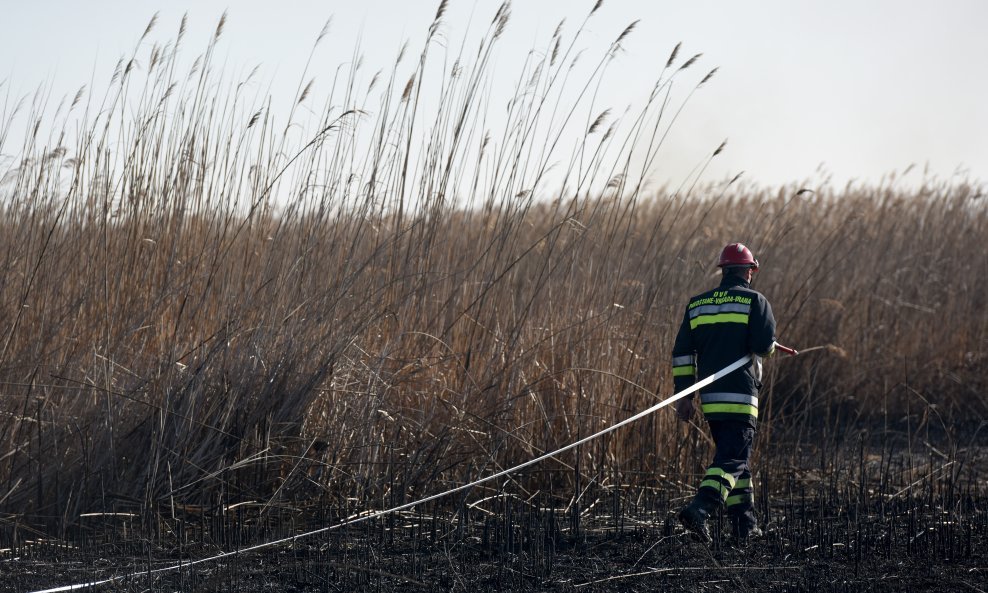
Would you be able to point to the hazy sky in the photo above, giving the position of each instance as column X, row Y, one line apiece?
column 861, row 87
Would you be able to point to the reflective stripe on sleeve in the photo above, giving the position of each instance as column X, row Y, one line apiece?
column 688, row 360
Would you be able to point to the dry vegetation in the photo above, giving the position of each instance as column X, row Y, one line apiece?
column 199, row 308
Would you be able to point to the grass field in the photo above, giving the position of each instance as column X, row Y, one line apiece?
column 202, row 311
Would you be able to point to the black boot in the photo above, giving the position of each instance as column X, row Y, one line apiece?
column 744, row 529
column 694, row 519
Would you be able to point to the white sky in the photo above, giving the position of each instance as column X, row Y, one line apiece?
column 861, row 87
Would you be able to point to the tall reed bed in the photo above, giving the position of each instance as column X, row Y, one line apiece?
column 201, row 308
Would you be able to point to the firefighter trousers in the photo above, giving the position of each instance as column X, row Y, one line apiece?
column 728, row 479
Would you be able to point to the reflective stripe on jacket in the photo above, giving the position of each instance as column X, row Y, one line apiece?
column 719, row 327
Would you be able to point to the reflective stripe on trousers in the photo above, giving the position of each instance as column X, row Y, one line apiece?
column 729, row 403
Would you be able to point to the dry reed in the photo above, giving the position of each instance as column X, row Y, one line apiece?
column 199, row 308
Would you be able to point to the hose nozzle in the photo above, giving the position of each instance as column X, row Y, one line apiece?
column 786, row 349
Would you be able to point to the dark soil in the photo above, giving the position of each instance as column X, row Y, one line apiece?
column 853, row 516
column 933, row 537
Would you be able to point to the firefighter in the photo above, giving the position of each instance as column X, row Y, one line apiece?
column 719, row 327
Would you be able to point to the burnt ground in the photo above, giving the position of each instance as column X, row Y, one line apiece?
column 863, row 517
column 927, row 539
column 632, row 563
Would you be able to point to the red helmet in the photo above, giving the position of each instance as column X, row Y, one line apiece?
column 737, row 254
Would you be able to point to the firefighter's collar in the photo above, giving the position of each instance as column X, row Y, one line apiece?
column 734, row 281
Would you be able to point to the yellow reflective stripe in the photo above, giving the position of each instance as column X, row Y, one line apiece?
column 719, row 318
column 738, row 499
column 718, row 486
column 683, row 371
column 743, row 483
column 716, row 471
column 730, row 409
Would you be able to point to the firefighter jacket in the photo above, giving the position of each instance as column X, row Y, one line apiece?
column 719, row 327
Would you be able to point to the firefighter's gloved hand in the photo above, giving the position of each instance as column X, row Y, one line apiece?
column 684, row 409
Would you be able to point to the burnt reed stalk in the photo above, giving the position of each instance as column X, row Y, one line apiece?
column 203, row 306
